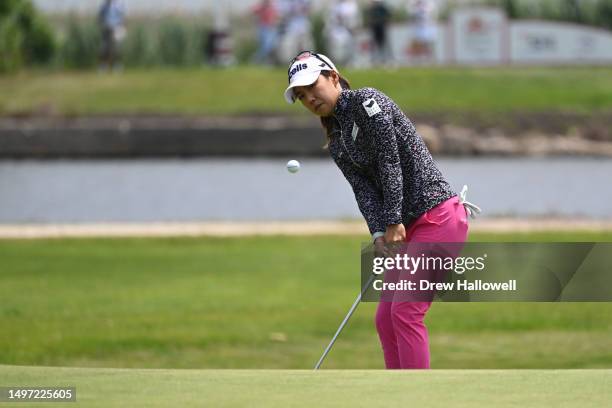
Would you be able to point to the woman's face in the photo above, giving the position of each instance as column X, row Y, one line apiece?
column 321, row 96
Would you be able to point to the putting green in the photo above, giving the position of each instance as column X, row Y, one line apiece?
column 350, row 388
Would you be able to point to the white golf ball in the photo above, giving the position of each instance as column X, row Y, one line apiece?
column 293, row 166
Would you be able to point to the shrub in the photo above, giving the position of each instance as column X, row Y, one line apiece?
column 25, row 37
column 81, row 46
column 604, row 13
column 172, row 43
column 138, row 47
column 11, row 44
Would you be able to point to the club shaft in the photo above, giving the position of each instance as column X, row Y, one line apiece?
column 344, row 322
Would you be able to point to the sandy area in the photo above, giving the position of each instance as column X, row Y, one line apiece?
column 235, row 229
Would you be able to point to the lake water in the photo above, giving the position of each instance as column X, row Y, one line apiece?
column 262, row 189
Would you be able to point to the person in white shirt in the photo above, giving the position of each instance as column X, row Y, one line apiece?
column 295, row 27
column 424, row 13
column 341, row 26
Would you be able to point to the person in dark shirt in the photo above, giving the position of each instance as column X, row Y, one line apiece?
column 111, row 19
column 378, row 16
column 403, row 196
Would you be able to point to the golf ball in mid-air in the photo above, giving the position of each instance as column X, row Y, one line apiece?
column 293, row 166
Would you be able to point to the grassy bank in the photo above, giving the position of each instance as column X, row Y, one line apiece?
column 281, row 388
column 255, row 303
column 259, row 90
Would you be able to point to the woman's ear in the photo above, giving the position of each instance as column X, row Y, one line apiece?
column 335, row 78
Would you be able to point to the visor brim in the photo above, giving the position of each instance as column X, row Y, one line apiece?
column 300, row 79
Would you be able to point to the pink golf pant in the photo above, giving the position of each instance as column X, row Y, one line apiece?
column 400, row 325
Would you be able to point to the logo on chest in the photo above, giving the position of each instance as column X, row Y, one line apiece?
column 371, row 107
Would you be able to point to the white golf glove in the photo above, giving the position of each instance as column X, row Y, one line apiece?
column 470, row 209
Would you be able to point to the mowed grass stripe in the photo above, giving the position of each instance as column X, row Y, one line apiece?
column 243, row 90
column 329, row 388
column 258, row 302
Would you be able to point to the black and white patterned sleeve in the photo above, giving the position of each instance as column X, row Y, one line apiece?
column 367, row 196
column 376, row 118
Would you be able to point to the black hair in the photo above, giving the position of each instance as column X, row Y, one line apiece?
column 328, row 121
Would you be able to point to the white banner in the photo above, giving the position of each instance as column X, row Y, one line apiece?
column 553, row 43
column 483, row 36
column 478, row 36
column 404, row 48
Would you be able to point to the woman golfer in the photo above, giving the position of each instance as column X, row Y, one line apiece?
column 398, row 187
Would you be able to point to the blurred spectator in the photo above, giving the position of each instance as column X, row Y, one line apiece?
column 111, row 21
column 267, row 19
column 219, row 45
column 378, row 16
column 424, row 12
column 341, row 27
column 295, row 28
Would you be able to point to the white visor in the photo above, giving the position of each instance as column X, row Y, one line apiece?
column 305, row 71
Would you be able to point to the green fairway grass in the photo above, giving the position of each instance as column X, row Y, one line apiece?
column 243, row 90
column 256, row 302
column 329, row 388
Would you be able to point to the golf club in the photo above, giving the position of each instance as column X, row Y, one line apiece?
column 344, row 322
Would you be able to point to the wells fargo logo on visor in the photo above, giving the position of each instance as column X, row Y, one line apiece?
column 296, row 69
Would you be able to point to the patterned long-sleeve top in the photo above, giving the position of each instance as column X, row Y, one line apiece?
column 391, row 171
